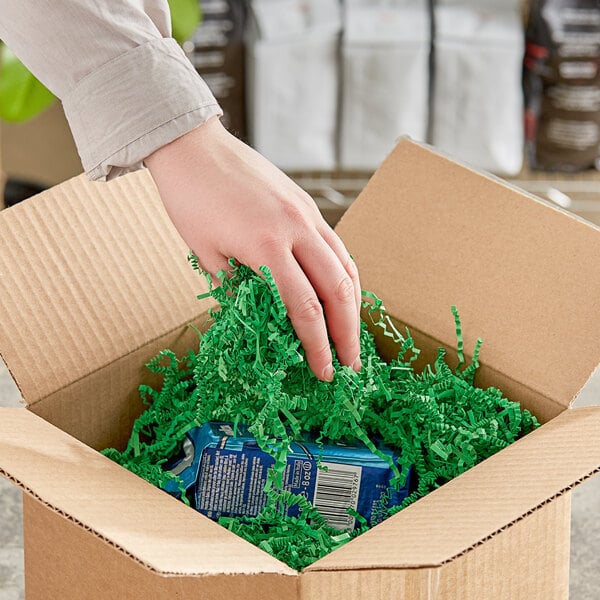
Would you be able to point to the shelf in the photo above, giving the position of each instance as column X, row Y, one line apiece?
column 334, row 191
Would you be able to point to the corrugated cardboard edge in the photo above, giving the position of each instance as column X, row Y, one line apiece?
column 482, row 502
column 503, row 568
column 26, row 438
column 84, row 567
column 30, row 492
column 532, row 510
column 497, row 179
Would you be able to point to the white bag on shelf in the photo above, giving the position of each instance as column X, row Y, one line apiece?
column 292, row 72
column 385, row 78
column 477, row 91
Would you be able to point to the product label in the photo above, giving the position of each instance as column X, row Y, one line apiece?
column 562, row 84
column 227, row 476
column 231, row 483
column 336, row 490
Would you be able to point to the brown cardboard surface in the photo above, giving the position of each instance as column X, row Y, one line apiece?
column 528, row 560
column 100, row 409
column 481, row 502
column 379, row 584
column 118, row 507
column 427, row 233
column 89, row 272
column 64, row 562
column 504, row 568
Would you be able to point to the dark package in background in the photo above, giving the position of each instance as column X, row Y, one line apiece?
column 217, row 52
column 225, row 475
column 562, row 84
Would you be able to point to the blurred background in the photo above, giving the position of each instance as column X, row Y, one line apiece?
column 324, row 88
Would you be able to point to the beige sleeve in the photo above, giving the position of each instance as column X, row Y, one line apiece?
column 126, row 86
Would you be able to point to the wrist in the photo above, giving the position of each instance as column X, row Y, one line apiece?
column 196, row 143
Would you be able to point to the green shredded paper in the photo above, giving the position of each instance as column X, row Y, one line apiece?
column 250, row 369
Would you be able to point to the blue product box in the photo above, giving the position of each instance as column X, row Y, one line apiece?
column 225, row 475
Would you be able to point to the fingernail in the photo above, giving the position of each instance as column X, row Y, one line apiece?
column 328, row 373
column 357, row 364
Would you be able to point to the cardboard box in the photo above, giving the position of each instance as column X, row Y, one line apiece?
column 94, row 281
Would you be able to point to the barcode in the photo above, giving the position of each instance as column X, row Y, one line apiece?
column 336, row 490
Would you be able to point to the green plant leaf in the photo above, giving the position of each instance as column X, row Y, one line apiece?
column 22, row 96
column 185, row 16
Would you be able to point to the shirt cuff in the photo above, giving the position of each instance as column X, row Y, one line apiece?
column 133, row 105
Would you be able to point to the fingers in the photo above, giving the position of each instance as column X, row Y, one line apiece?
column 319, row 284
column 212, row 263
column 307, row 282
column 336, row 288
column 304, row 311
column 348, row 263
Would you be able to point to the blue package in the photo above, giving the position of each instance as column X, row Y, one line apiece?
column 225, row 475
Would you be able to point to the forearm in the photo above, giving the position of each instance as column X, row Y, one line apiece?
column 130, row 94
column 126, row 86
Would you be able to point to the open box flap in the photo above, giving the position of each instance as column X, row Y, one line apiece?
column 89, row 272
column 482, row 501
column 427, row 232
column 119, row 507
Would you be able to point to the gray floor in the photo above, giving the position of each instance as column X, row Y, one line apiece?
column 585, row 537
column 11, row 533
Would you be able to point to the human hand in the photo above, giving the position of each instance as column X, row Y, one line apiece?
column 226, row 200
